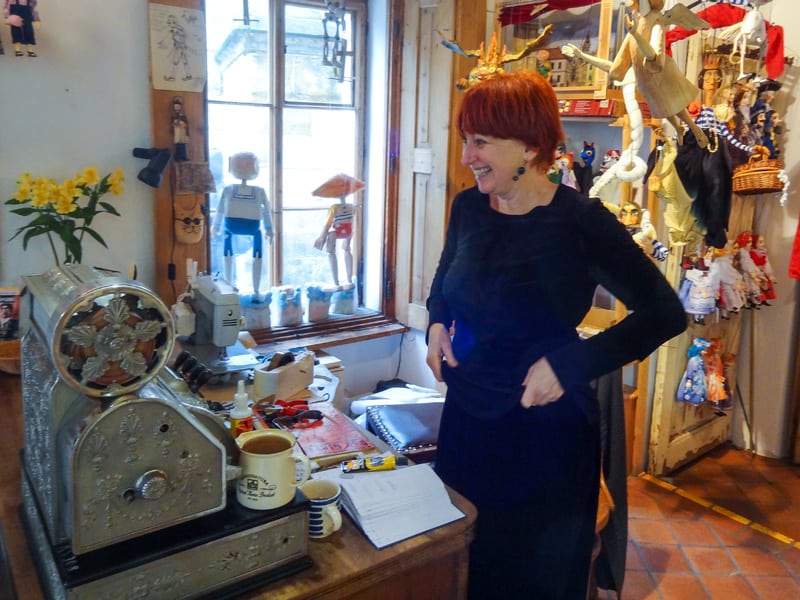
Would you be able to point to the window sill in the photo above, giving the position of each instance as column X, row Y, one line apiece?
column 333, row 332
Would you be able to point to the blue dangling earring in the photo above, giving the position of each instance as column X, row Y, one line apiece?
column 520, row 171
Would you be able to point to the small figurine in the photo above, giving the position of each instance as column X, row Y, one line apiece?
column 731, row 282
column 22, row 16
column 9, row 324
column 564, row 164
column 761, row 259
column 543, row 64
column 243, row 210
column 753, row 277
column 490, row 61
column 698, row 291
column 290, row 306
column 180, row 129
column 692, row 387
column 583, row 171
column 339, row 224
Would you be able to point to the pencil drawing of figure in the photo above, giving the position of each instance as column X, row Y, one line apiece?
column 178, row 50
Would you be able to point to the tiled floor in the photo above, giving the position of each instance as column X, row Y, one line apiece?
column 726, row 527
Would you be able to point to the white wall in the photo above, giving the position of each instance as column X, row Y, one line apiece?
column 85, row 101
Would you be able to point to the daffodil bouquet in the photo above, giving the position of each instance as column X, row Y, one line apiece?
column 64, row 211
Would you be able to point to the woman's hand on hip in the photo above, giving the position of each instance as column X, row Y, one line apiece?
column 439, row 349
column 541, row 385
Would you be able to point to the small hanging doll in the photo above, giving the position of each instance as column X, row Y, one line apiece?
column 698, row 291
column 731, row 282
column 716, row 390
column 692, row 387
column 761, row 259
column 752, row 274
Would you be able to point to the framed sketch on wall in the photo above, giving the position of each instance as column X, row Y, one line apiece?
column 177, row 48
column 591, row 25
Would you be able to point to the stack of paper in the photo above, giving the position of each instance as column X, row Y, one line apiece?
column 390, row 506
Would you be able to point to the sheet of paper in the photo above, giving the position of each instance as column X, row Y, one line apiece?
column 390, row 506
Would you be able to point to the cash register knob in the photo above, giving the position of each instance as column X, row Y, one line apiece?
column 152, row 484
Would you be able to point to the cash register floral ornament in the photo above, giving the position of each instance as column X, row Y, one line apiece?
column 64, row 211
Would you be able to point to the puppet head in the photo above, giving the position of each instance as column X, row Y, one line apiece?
column 610, row 158
column 587, row 154
column 744, row 240
column 243, row 165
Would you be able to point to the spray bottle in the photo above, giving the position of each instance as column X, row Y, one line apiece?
column 241, row 417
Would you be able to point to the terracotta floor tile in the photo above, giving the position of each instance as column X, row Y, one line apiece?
column 633, row 560
column 664, row 559
column 642, row 505
column 693, row 533
column 678, row 507
column 710, row 561
column 639, row 586
column 728, row 588
column 775, row 587
column 736, row 536
column 674, row 586
column 651, row 531
column 754, row 561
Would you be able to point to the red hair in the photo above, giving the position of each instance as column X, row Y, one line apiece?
column 520, row 106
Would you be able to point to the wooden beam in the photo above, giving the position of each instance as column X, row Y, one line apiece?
column 171, row 280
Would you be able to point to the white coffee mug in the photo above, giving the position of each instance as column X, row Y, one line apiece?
column 271, row 469
column 324, row 515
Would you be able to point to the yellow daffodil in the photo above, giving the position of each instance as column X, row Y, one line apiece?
column 64, row 211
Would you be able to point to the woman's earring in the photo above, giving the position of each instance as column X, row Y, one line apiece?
column 520, row 171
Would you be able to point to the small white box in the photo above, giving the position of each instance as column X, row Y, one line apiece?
column 284, row 382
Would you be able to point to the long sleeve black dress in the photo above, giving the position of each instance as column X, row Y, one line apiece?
column 515, row 287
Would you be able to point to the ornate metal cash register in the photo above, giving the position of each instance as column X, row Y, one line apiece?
column 127, row 479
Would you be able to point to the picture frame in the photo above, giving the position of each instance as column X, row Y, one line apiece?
column 596, row 27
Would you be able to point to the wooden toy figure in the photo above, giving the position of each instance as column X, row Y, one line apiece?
column 243, row 210
column 22, row 16
column 761, row 259
column 658, row 77
column 180, row 129
column 753, row 277
column 731, row 282
column 339, row 224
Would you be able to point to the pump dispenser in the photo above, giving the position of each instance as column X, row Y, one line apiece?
column 241, row 417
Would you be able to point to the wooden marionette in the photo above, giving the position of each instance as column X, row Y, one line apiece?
column 339, row 225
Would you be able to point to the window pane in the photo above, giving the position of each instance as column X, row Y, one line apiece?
column 317, row 144
column 239, row 58
column 318, row 70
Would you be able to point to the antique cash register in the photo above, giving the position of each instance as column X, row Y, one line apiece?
column 127, row 480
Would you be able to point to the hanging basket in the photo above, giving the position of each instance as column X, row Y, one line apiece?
column 758, row 176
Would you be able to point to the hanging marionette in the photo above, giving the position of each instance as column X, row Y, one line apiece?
column 732, row 290
column 692, row 387
column 760, row 257
column 699, row 288
column 752, row 274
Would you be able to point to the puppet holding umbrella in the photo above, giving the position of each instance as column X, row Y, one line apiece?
column 339, row 224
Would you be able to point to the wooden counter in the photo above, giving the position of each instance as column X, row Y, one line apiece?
column 346, row 565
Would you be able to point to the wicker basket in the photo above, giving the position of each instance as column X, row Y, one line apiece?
column 758, row 177
column 10, row 361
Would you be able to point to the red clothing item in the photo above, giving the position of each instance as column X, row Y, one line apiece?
column 723, row 15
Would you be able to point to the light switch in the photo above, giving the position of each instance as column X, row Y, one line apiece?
column 423, row 160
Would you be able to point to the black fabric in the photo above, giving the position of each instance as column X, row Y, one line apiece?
column 517, row 286
column 707, row 178
column 534, row 478
column 610, row 564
